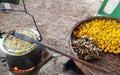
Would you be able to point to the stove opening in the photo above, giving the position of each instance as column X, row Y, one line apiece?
column 16, row 69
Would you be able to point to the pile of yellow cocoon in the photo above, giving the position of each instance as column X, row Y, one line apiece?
column 106, row 33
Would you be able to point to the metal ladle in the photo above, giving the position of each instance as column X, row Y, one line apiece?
column 29, row 39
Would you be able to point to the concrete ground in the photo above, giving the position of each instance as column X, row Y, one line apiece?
column 55, row 19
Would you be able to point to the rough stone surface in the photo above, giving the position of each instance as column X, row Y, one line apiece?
column 55, row 19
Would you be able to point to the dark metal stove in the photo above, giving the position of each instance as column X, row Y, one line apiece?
column 6, row 70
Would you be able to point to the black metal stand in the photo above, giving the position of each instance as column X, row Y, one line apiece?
column 46, row 57
column 26, row 12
